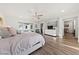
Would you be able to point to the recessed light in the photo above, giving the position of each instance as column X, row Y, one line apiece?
column 20, row 16
column 62, row 10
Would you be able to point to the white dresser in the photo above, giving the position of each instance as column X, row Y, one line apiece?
column 50, row 32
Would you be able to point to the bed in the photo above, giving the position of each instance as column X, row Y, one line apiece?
column 21, row 44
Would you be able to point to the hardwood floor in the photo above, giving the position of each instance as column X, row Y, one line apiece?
column 69, row 39
column 56, row 46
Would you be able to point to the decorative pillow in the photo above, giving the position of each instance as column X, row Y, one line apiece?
column 4, row 33
column 12, row 31
column 7, row 32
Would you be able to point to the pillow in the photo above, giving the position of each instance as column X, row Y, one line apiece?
column 4, row 33
column 12, row 31
column 0, row 37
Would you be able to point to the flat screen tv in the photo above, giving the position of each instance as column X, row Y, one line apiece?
column 50, row 27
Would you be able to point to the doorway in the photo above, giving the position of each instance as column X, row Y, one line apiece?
column 69, row 32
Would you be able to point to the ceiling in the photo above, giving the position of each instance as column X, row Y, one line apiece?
column 48, row 10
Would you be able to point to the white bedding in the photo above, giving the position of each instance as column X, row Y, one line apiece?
column 19, row 43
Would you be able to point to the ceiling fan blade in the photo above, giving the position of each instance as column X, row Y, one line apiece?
column 40, row 15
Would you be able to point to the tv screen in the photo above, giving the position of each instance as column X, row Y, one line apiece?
column 50, row 27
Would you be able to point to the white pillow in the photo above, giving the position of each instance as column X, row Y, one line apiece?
column 0, row 37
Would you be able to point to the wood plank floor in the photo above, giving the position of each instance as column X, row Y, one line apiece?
column 69, row 39
column 56, row 46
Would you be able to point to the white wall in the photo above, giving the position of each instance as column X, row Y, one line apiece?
column 77, row 27
column 60, row 28
column 14, row 21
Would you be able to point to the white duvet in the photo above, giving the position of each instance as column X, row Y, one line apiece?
column 19, row 43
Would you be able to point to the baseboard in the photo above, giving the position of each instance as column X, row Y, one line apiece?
column 50, row 35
